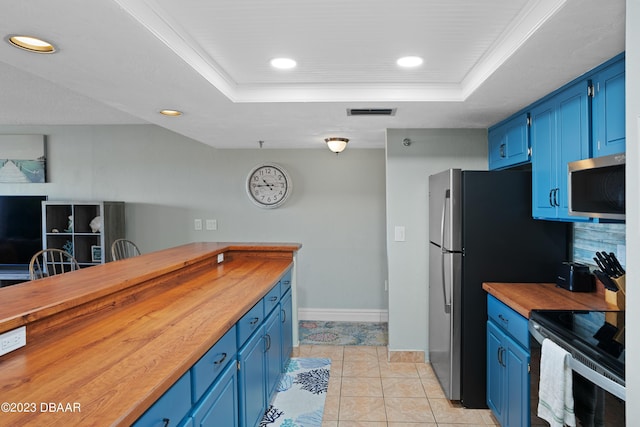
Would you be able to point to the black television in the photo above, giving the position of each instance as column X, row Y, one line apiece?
column 20, row 230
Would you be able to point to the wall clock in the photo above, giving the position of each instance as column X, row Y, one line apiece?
column 268, row 185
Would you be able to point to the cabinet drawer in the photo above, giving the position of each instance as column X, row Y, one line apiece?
column 172, row 406
column 285, row 283
column 271, row 299
column 250, row 322
column 207, row 369
column 508, row 320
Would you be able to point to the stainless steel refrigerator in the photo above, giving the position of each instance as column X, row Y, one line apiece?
column 480, row 230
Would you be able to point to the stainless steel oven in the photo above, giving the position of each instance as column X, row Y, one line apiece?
column 595, row 340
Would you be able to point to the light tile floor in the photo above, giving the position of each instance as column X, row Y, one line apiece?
column 367, row 391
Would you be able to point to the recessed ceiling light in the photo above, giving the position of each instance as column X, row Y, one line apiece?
column 409, row 61
column 32, row 44
column 171, row 113
column 283, row 63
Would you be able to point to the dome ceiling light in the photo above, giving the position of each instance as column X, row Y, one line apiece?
column 337, row 145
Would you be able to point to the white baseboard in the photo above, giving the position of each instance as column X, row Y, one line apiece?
column 343, row 315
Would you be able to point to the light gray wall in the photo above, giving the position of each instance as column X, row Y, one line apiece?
column 408, row 169
column 337, row 209
column 633, row 209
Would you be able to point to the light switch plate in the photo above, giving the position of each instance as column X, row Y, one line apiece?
column 211, row 224
column 197, row 224
column 399, row 233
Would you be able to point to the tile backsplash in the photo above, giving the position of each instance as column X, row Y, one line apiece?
column 590, row 238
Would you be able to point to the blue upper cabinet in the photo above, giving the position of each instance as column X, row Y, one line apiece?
column 608, row 109
column 509, row 142
column 559, row 135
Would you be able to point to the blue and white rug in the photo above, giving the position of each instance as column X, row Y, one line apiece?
column 299, row 401
column 343, row 333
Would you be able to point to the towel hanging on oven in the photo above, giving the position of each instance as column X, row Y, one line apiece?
column 555, row 395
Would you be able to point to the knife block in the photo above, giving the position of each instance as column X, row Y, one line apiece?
column 617, row 298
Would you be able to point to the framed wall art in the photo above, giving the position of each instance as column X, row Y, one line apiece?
column 22, row 159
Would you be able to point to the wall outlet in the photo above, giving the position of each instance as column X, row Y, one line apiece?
column 212, row 224
column 197, row 224
column 220, row 258
column 13, row 340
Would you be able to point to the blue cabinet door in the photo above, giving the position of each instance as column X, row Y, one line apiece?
column 273, row 353
column 572, row 124
column 543, row 163
column 517, row 379
column 495, row 374
column 509, row 142
column 608, row 110
column 219, row 407
column 559, row 135
column 286, row 319
column 251, row 380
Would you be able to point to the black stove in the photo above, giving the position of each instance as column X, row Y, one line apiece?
column 596, row 338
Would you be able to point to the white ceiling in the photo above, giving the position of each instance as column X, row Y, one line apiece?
column 121, row 61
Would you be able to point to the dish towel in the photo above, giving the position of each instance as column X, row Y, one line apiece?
column 555, row 395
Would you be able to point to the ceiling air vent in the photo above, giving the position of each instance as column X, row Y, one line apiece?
column 371, row 111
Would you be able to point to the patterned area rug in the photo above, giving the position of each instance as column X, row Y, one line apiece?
column 343, row 333
column 299, row 401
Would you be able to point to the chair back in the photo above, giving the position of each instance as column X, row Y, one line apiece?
column 50, row 262
column 123, row 248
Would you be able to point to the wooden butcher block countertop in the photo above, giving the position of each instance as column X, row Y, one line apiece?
column 525, row 297
column 104, row 343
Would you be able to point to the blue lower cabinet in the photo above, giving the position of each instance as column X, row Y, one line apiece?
column 219, row 407
column 172, row 406
column 286, row 322
column 251, row 380
column 508, row 358
column 273, row 354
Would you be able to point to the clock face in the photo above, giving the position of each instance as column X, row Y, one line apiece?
column 268, row 185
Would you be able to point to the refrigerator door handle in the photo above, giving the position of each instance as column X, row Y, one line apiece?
column 447, row 305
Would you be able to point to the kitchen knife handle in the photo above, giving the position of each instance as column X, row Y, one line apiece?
column 616, row 263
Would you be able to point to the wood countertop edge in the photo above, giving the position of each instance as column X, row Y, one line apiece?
column 22, row 306
column 526, row 297
column 238, row 278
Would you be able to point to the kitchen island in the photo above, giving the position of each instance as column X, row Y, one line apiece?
column 104, row 343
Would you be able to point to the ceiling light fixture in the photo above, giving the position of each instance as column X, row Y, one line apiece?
column 32, row 44
column 337, row 145
column 409, row 61
column 283, row 63
column 171, row 113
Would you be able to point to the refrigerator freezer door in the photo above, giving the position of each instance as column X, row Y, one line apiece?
column 445, row 210
column 444, row 319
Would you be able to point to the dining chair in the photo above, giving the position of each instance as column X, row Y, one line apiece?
column 51, row 262
column 123, row 248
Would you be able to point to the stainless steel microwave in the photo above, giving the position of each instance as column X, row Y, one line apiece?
column 596, row 187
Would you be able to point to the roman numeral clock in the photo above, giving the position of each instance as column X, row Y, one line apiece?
column 268, row 185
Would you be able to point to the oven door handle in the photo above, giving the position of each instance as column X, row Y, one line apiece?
column 599, row 379
column 596, row 378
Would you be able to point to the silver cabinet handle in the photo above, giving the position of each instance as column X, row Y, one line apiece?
column 447, row 196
